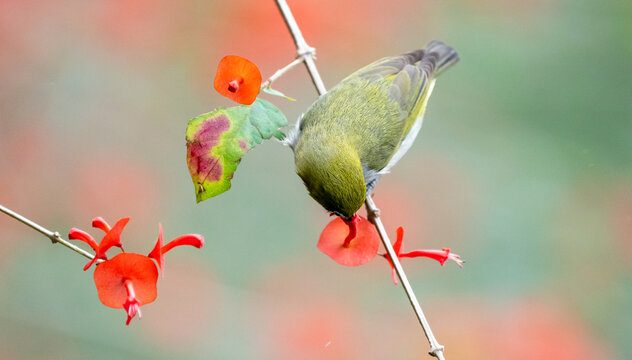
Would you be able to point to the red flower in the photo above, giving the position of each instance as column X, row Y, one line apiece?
column 128, row 280
column 351, row 243
column 440, row 255
column 112, row 238
column 238, row 79
column 158, row 253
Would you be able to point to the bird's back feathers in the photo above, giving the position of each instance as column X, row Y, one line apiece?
column 376, row 111
column 383, row 100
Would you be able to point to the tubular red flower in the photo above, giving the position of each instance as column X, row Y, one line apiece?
column 158, row 252
column 238, row 79
column 440, row 255
column 349, row 243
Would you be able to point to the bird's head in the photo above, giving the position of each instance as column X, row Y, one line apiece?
column 332, row 174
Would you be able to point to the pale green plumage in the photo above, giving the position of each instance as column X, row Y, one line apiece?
column 349, row 134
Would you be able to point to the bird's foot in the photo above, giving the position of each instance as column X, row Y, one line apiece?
column 372, row 214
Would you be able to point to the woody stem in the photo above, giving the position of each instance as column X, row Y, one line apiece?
column 436, row 349
column 307, row 54
column 303, row 51
column 53, row 236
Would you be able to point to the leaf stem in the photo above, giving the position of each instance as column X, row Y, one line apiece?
column 281, row 72
column 52, row 235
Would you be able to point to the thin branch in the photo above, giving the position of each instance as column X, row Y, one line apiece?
column 373, row 212
column 52, row 235
column 303, row 51
column 306, row 53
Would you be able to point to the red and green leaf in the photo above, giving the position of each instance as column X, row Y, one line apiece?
column 217, row 141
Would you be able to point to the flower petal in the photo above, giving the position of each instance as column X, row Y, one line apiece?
column 396, row 247
column 157, row 253
column 359, row 250
column 238, row 79
column 110, row 277
column 440, row 255
column 400, row 240
column 131, row 308
column 113, row 237
column 76, row 234
column 100, row 223
column 188, row 239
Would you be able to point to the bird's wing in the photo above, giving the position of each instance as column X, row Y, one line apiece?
column 405, row 80
column 408, row 77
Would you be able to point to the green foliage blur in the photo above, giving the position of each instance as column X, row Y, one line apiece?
column 523, row 167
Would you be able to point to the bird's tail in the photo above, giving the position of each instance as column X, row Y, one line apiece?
column 438, row 57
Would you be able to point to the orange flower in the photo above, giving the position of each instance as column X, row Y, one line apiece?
column 238, row 79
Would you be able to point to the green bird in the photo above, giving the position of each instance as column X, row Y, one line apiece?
column 364, row 125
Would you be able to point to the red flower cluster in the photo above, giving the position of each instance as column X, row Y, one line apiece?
column 128, row 280
column 238, row 79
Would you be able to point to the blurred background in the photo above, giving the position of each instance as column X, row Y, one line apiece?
column 523, row 167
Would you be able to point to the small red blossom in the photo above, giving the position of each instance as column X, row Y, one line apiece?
column 440, row 255
column 349, row 242
column 128, row 280
column 238, row 79
column 112, row 238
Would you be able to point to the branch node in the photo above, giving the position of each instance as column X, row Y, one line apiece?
column 436, row 349
column 305, row 51
column 373, row 214
column 55, row 237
